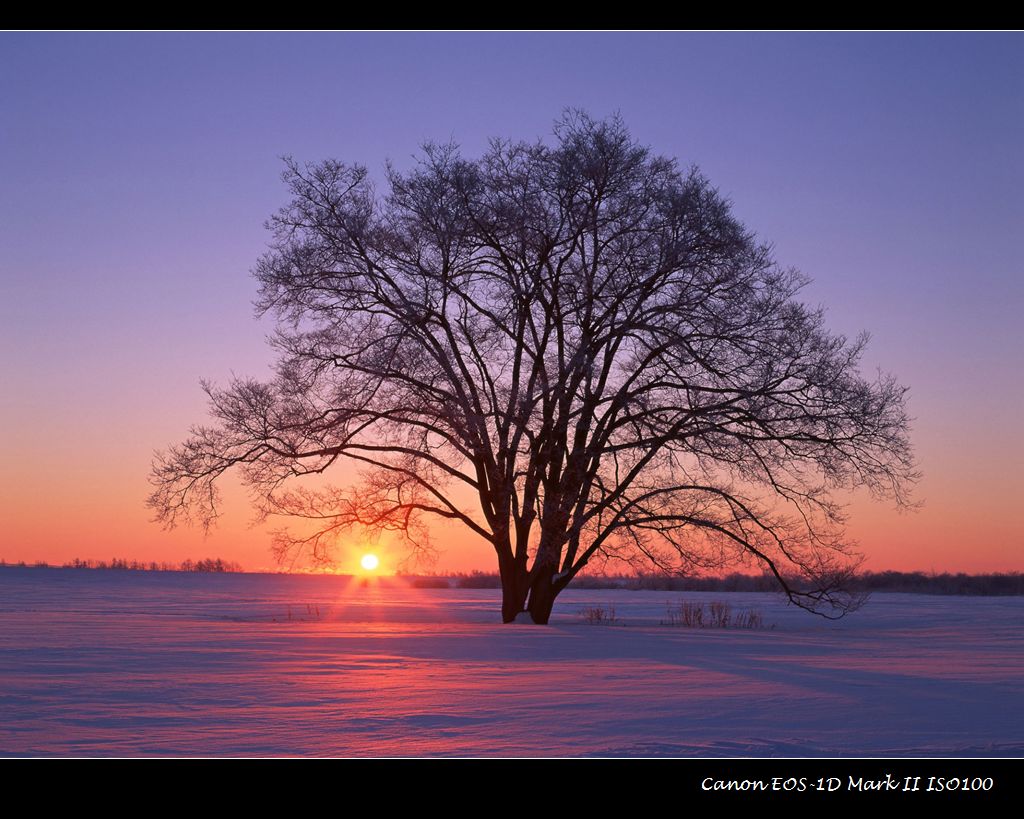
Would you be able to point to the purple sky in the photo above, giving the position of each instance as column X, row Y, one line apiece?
column 138, row 170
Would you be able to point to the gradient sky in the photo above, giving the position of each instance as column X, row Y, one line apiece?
column 138, row 170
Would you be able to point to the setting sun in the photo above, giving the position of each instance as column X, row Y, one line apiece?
column 369, row 562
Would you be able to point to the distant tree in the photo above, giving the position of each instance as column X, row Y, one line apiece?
column 573, row 350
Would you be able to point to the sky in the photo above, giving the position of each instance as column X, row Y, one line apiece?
column 139, row 169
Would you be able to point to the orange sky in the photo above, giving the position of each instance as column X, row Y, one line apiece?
column 83, row 496
column 73, row 481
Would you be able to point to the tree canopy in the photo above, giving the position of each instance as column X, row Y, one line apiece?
column 572, row 349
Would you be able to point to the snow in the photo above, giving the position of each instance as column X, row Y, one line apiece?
column 97, row 663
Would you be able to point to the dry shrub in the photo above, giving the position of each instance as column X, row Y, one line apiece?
column 717, row 614
column 599, row 615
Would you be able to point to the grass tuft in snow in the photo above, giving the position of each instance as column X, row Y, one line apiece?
column 685, row 614
column 599, row 615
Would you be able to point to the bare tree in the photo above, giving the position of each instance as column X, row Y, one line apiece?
column 573, row 350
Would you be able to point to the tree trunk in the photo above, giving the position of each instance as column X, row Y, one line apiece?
column 542, row 594
column 514, row 586
column 535, row 590
column 542, row 588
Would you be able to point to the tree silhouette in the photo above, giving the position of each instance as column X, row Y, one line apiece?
column 573, row 350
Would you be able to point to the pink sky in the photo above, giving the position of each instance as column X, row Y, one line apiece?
column 139, row 169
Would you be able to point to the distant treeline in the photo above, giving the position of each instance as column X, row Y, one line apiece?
column 651, row 582
column 123, row 564
column 921, row 583
column 907, row 582
column 1011, row 583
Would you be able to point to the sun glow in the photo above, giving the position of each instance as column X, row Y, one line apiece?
column 369, row 562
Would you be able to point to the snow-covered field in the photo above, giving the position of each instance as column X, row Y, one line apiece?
column 100, row 663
